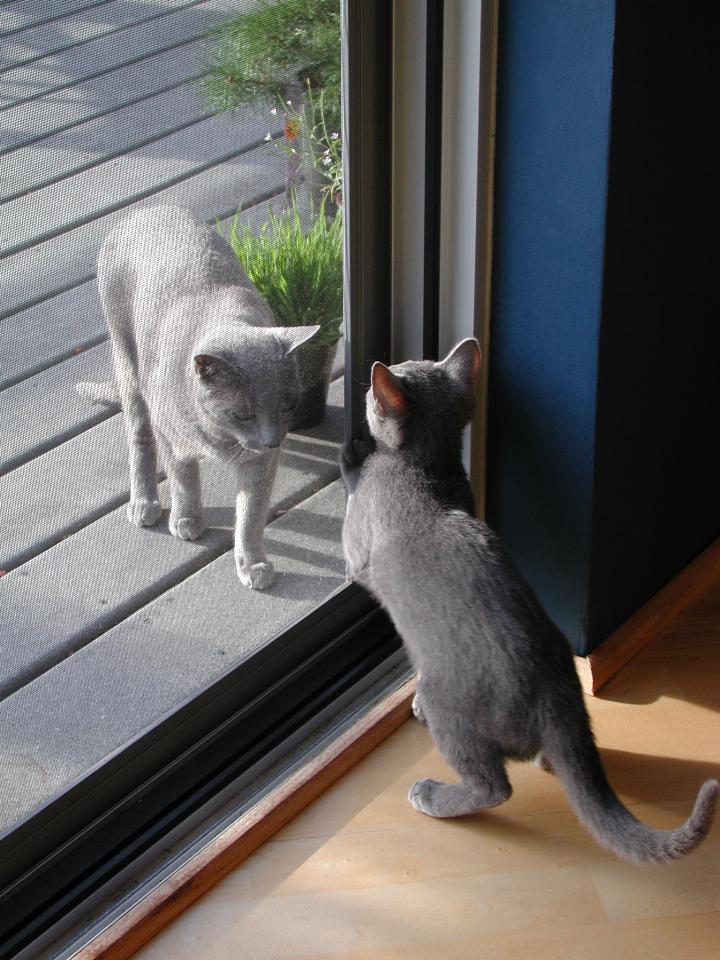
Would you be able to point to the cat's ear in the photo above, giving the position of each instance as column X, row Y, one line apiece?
column 463, row 362
column 208, row 366
column 293, row 337
column 388, row 392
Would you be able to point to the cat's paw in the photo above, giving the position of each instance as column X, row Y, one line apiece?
column 417, row 710
column 186, row 528
column 348, row 462
column 424, row 795
column 354, row 453
column 257, row 576
column 144, row 513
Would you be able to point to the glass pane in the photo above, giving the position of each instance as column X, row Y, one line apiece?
column 168, row 495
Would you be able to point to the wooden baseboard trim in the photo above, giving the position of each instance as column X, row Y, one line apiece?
column 686, row 588
column 148, row 917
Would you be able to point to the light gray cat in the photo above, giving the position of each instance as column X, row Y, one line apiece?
column 201, row 370
column 496, row 677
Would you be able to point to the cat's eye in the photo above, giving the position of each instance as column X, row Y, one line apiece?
column 242, row 417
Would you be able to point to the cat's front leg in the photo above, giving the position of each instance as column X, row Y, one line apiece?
column 353, row 454
column 255, row 482
column 187, row 517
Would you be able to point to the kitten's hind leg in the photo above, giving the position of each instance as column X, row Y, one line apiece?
column 187, row 517
column 484, row 784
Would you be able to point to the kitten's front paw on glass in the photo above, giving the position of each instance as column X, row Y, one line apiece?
column 355, row 452
column 186, row 528
column 144, row 513
column 257, row 576
column 417, row 710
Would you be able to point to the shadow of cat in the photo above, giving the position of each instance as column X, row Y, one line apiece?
column 661, row 781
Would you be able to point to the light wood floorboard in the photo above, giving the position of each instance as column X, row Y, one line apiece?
column 360, row 876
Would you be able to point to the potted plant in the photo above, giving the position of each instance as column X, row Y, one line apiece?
column 300, row 274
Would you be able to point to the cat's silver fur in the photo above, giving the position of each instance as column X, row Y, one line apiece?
column 497, row 679
column 201, row 370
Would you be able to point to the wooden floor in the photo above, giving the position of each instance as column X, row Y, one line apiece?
column 360, row 876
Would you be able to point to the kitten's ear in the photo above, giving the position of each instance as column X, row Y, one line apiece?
column 207, row 366
column 464, row 361
column 293, row 337
column 388, row 392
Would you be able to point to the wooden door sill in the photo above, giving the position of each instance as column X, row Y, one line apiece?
column 195, row 877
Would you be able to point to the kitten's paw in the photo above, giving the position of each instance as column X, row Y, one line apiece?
column 417, row 710
column 348, row 463
column 186, row 528
column 257, row 576
column 144, row 513
column 423, row 796
column 353, row 454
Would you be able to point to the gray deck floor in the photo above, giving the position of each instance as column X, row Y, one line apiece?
column 105, row 627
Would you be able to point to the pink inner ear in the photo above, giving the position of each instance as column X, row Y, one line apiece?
column 387, row 392
column 476, row 362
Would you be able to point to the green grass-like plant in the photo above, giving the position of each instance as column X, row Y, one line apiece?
column 265, row 50
column 299, row 272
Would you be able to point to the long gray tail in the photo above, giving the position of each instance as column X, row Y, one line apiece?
column 106, row 393
column 571, row 749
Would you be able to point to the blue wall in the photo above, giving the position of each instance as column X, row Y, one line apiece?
column 553, row 126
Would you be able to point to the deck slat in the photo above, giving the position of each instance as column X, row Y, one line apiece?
column 97, row 140
column 61, row 491
column 78, row 28
column 51, row 267
column 20, row 15
column 71, row 593
column 88, row 196
column 100, row 96
column 35, row 339
column 62, row 71
column 46, row 410
column 166, row 652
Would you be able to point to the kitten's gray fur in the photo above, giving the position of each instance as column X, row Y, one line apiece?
column 496, row 676
column 201, row 370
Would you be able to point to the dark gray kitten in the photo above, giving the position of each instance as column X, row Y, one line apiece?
column 497, row 679
column 201, row 370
